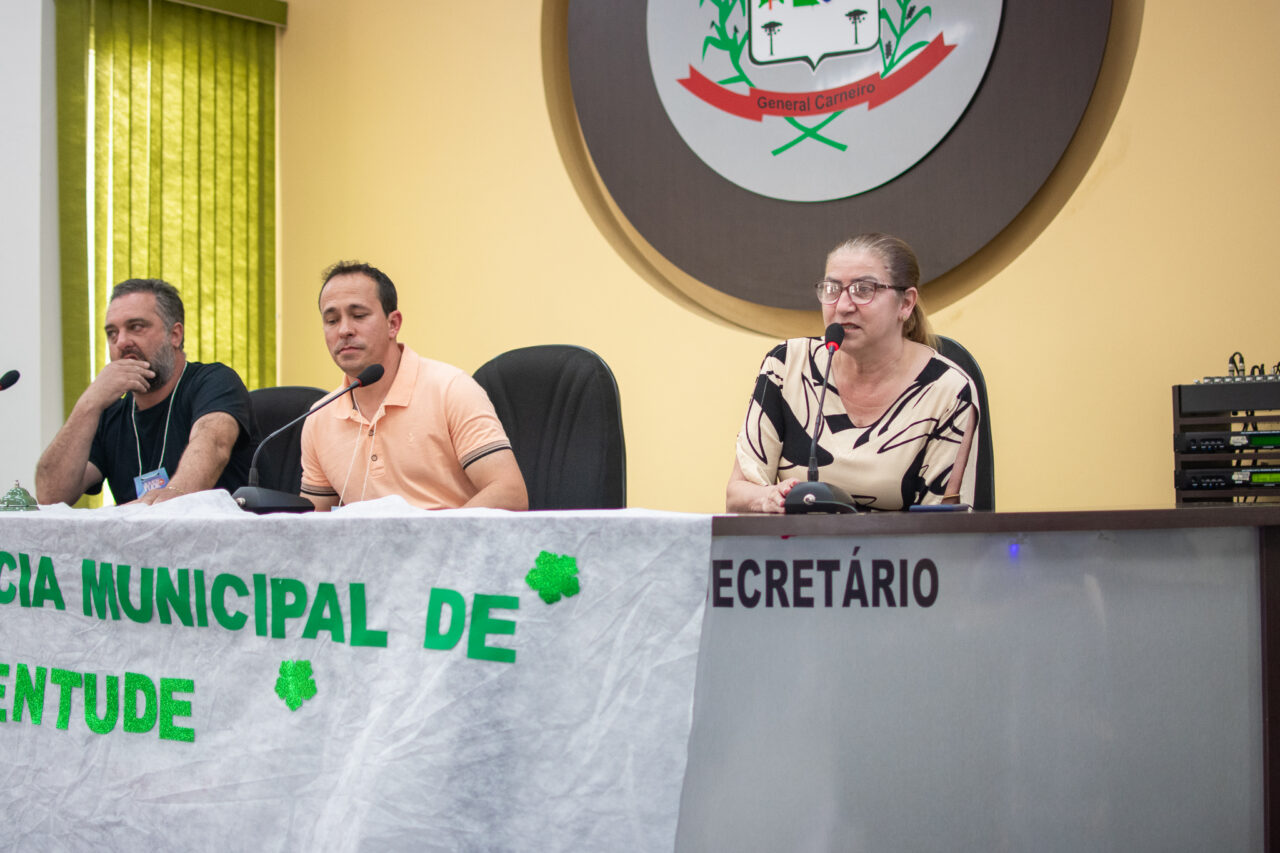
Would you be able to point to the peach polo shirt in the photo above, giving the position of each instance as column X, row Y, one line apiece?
column 435, row 421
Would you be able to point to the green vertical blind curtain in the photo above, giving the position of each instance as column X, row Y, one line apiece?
column 166, row 158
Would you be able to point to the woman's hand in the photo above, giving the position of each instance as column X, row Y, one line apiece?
column 774, row 498
column 741, row 495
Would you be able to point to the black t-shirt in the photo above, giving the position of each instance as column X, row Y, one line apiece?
column 204, row 388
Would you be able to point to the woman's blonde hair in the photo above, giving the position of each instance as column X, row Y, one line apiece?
column 904, row 271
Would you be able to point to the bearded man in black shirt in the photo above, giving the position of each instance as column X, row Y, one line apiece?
column 152, row 424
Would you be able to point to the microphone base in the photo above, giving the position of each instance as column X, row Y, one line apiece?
column 262, row 501
column 811, row 496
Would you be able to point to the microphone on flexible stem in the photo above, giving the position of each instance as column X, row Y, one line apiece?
column 9, row 379
column 813, row 496
column 253, row 498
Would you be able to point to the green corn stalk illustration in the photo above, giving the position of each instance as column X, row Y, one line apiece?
column 892, row 53
column 733, row 44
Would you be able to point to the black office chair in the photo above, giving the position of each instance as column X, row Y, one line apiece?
column 280, row 464
column 559, row 405
column 984, row 492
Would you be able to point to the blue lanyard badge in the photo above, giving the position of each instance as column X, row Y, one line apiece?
column 151, row 481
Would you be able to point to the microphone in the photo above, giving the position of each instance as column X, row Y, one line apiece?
column 8, row 380
column 834, row 338
column 252, row 498
column 813, row 496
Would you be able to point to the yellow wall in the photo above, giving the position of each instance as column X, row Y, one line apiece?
column 417, row 135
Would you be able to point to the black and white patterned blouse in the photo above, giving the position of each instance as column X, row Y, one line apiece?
column 904, row 457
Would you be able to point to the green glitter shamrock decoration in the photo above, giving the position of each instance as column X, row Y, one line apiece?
column 295, row 684
column 553, row 576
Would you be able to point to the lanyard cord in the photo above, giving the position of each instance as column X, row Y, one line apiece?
column 373, row 432
column 133, row 416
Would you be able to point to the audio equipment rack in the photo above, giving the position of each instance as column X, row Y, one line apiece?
column 1226, row 440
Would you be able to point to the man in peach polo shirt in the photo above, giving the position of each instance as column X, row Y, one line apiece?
column 425, row 431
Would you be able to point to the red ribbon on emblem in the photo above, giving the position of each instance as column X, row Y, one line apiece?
column 872, row 90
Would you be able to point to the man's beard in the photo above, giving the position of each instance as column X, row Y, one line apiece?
column 162, row 365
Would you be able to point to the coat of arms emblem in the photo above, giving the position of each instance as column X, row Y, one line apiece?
column 813, row 78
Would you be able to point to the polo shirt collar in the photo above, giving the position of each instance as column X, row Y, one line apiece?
column 401, row 393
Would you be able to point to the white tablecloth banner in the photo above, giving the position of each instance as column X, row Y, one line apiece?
column 374, row 679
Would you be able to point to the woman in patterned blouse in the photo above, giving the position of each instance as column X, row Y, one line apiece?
column 898, row 421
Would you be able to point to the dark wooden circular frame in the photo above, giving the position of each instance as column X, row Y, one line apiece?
column 762, row 250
